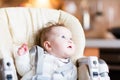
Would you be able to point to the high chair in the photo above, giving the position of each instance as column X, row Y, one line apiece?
column 19, row 25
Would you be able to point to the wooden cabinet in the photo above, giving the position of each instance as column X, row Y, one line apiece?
column 93, row 46
column 91, row 52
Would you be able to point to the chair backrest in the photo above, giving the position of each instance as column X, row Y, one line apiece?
column 19, row 25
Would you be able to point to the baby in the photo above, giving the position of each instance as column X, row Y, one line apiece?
column 56, row 41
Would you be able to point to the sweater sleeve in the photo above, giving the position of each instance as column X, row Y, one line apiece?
column 22, row 62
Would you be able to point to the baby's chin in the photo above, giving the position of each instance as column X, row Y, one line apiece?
column 69, row 55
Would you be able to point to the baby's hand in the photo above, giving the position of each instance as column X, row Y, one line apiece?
column 22, row 50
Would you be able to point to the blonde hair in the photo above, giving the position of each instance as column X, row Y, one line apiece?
column 44, row 33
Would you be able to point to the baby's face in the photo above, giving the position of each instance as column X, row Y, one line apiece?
column 61, row 42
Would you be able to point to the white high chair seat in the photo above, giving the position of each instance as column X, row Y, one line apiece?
column 19, row 25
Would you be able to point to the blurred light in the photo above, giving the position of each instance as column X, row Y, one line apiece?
column 41, row 3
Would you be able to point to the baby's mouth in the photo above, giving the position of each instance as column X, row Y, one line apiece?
column 69, row 46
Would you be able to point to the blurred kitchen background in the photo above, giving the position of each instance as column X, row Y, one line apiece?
column 100, row 20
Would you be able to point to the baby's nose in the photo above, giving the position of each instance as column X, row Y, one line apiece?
column 70, row 41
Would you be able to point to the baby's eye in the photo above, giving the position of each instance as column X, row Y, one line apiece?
column 63, row 36
column 70, row 38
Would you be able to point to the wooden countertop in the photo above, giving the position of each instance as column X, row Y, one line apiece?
column 103, row 43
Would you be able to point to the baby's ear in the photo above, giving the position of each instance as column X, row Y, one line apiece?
column 47, row 46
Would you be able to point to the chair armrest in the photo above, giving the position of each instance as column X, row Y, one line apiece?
column 83, row 73
column 92, row 68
